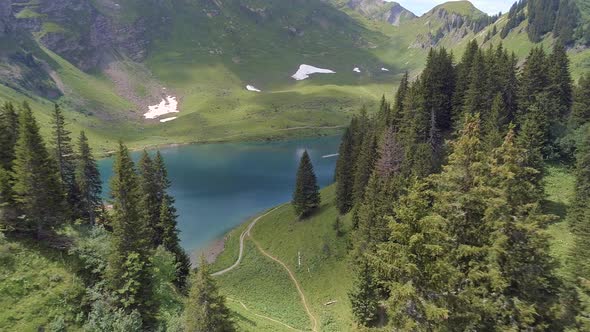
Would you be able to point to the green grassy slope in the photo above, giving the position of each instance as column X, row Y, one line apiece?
column 206, row 52
column 37, row 286
column 323, row 275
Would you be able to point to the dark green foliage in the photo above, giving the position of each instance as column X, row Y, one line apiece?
column 534, row 79
column 65, row 159
column 171, row 242
column 364, row 298
column 476, row 100
column 364, row 166
column 398, row 106
column 560, row 83
column 417, row 243
column 37, row 191
column 391, row 155
column 205, row 310
column 88, row 181
column 128, row 274
column 344, row 175
column 306, row 197
column 541, row 15
column 8, row 134
column 338, row 227
column 566, row 22
column 492, row 125
column 581, row 107
column 151, row 199
column 530, row 288
column 579, row 217
column 7, row 206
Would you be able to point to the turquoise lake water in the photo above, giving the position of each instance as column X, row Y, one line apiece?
column 219, row 186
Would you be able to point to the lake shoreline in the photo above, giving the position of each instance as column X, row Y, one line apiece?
column 326, row 131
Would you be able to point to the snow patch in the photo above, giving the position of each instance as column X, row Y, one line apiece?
column 252, row 88
column 330, row 155
column 384, row 69
column 306, row 70
column 356, row 70
column 168, row 119
column 166, row 106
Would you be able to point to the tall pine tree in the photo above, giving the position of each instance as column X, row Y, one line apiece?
column 37, row 190
column 306, row 197
column 128, row 274
column 205, row 310
column 88, row 181
column 63, row 153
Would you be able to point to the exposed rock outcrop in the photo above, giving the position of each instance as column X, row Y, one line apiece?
column 391, row 12
column 80, row 33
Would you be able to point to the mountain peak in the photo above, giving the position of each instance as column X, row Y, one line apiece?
column 380, row 10
column 463, row 8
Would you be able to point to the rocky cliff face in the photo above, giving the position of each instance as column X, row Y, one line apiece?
column 82, row 34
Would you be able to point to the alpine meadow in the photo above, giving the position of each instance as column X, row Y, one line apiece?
column 294, row 165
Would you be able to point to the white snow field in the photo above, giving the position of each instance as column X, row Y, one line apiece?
column 384, row 69
column 252, row 88
column 356, row 70
column 306, row 70
column 168, row 119
column 166, row 106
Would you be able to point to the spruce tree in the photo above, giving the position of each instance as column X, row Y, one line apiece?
column 579, row 219
column 475, row 95
column 414, row 265
column 88, row 181
column 364, row 297
column 581, row 107
column 460, row 200
column 560, row 83
column 534, row 80
column 344, row 175
column 391, row 155
column 63, row 153
column 128, row 273
column 364, row 166
column 398, row 106
column 37, row 190
column 8, row 134
column 306, row 197
column 171, row 242
column 151, row 198
column 205, row 310
column 7, row 206
column 529, row 288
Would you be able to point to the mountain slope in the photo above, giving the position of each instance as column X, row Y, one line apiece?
column 107, row 61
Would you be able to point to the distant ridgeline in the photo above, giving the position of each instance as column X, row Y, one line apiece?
column 446, row 190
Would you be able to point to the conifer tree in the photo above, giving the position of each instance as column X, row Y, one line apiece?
column 581, row 108
column 529, row 286
column 579, row 219
column 205, row 310
column 475, row 96
column 418, row 242
column 464, row 71
column 171, row 242
column 364, row 166
column 88, row 181
column 391, row 155
column 128, row 274
column 306, row 197
column 364, row 297
column 7, row 206
column 37, row 191
column 398, row 106
column 63, row 153
column 534, row 79
column 560, row 83
column 492, row 125
column 460, row 200
column 345, row 172
column 8, row 134
column 151, row 197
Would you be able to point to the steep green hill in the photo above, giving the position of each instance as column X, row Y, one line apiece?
column 106, row 61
